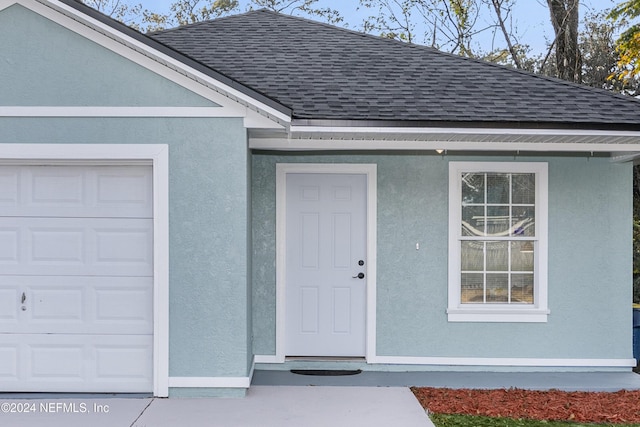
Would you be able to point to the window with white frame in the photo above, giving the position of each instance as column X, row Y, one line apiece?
column 497, row 242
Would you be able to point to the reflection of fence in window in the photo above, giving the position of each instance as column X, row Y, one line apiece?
column 497, row 271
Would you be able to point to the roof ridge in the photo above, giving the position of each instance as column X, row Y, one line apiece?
column 200, row 23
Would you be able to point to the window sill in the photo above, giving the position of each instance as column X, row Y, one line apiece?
column 497, row 314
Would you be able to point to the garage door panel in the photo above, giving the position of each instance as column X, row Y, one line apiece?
column 9, row 245
column 125, row 188
column 9, row 361
column 131, row 305
column 9, row 305
column 125, row 245
column 76, row 305
column 76, row 246
column 74, row 363
column 121, row 361
column 9, row 186
column 76, row 191
column 57, row 245
column 50, row 361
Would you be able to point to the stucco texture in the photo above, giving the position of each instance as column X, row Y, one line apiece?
column 590, row 210
column 57, row 67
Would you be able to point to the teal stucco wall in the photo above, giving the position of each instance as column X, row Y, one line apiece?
column 43, row 64
column 590, row 211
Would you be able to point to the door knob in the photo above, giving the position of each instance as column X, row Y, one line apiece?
column 359, row 276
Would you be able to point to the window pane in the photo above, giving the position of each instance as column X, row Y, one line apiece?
column 522, row 255
column 472, row 256
column 522, row 288
column 523, row 220
column 524, row 188
column 497, row 256
column 473, row 221
column 497, row 288
column 497, row 220
column 498, row 188
column 472, row 289
column 473, row 188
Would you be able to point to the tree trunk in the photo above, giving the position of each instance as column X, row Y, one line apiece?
column 564, row 18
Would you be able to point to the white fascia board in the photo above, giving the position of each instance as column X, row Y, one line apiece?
column 373, row 144
column 202, row 84
column 460, row 131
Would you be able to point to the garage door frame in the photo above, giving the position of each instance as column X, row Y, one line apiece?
column 157, row 155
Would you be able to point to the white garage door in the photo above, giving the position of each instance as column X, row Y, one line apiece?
column 76, row 278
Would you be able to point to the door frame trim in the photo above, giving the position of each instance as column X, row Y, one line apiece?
column 370, row 171
column 155, row 155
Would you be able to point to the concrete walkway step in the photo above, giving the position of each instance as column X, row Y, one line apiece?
column 567, row 381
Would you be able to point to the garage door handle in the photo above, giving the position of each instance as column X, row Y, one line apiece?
column 24, row 298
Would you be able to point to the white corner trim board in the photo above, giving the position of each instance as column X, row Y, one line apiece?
column 158, row 156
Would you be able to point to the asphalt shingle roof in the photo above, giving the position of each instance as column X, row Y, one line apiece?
column 324, row 72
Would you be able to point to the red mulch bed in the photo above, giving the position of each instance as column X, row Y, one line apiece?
column 619, row 407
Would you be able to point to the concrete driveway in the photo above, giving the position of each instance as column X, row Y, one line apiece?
column 263, row 406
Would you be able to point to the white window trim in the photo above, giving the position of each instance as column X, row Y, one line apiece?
column 538, row 312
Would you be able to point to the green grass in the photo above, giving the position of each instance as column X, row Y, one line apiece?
column 473, row 421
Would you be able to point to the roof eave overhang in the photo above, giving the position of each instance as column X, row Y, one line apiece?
column 303, row 137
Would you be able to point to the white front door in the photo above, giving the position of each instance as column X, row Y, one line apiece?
column 326, row 229
column 76, row 278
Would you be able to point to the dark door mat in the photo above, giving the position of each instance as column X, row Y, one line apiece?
column 325, row 372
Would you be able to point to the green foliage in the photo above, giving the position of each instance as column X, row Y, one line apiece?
column 628, row 44
column 626, row 9
column 474, row 421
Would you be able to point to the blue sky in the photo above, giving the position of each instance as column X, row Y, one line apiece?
column 531, row 17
